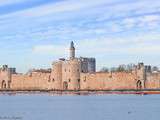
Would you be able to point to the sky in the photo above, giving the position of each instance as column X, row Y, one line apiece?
column 34, row 33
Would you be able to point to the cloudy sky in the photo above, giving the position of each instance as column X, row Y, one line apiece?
column 33, row 33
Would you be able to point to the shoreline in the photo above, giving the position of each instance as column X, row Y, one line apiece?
column 84, row 92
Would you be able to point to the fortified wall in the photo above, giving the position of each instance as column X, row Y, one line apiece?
column 79, row 74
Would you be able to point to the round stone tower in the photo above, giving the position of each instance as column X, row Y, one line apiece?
column 56, row 76
column 72, row 50
column 71, row 74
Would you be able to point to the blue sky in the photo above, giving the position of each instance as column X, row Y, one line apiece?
column 33, row 33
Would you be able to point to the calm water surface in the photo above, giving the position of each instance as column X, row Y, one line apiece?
column 105, row 107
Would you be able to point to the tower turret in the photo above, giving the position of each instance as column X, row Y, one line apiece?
column 72, row 50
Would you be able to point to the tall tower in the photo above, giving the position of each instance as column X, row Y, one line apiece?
column 72, row 50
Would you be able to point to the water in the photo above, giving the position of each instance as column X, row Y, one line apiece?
column 106, row 107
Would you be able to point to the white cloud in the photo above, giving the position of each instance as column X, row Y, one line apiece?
column 57, row 50
column 129, row 22
column 138, row 44
column 111, row 8
column 150, row 18
column 132, row 45
column 58, row 7
column 146, row 21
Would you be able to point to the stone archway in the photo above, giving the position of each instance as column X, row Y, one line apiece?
column 139, row 85
column 65, row 85
column 3, row 85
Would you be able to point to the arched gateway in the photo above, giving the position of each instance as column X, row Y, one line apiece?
column 139, row 85
column 3, row 84
column 65, row 85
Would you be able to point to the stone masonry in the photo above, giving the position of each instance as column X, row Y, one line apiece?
column 78, row 74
